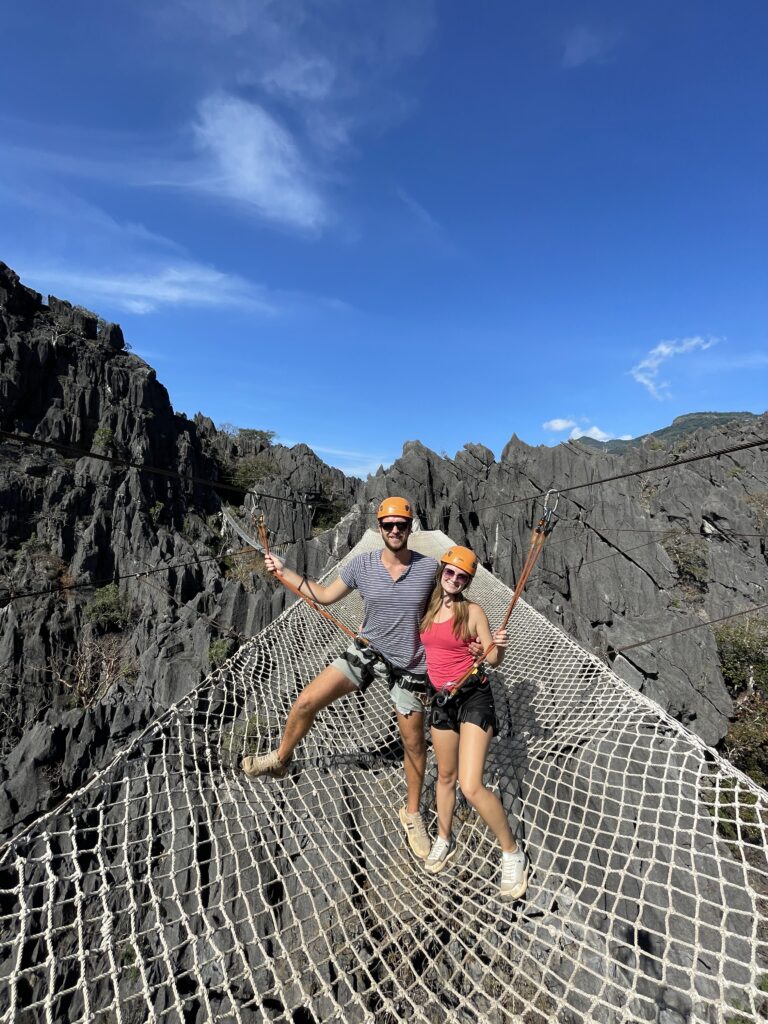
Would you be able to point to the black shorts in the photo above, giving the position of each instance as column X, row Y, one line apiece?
column 473, row 703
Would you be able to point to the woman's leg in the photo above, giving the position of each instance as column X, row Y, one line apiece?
column 473, row 748
column 445, row 744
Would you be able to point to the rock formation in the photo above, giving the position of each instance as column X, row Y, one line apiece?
column 86, row 668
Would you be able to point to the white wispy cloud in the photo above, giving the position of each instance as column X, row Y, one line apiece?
column 250, row 157
column 556, row 425
column 417, row 209
column 646, row 372
column 240, row 153
column 594, row 432
column 180, row 284
column 585, row 45
column 336, row 66
column 289, row 87
column 301, row 76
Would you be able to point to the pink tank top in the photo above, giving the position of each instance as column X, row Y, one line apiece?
column 447, row 657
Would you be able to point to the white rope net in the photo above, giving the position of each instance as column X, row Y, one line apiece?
column 173, row 889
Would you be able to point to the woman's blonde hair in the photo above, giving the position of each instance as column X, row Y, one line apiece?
column 460, row 609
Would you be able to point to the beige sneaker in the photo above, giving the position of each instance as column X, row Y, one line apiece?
column 415, row 833
column 267, row 764
column 514, row 875
column 442, row 851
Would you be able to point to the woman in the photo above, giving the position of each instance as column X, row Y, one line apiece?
column 463, row 725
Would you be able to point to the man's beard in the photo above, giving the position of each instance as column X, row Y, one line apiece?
column 403, row 543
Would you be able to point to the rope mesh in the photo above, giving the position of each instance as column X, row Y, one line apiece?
column 173, row 889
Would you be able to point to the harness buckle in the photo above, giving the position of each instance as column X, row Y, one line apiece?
column 473, row 680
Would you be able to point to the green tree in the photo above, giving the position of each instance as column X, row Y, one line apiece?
column 107, row 610
column 252, row 469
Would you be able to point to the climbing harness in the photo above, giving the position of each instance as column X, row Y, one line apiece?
column 539, row 535
column 468, row 682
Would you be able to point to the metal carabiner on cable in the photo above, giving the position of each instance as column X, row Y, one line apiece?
column 545, row 523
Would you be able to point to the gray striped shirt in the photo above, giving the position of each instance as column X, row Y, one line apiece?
column 393, row 608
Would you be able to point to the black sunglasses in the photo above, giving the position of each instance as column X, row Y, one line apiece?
column 400, row 527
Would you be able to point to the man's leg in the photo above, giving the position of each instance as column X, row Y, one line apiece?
column 316, row 695
column 411, row 728
column 322, row 691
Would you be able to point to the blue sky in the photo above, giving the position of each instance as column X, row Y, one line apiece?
column 359, row 223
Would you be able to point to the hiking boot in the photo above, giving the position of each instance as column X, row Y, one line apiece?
column 415, row 833
column 441, row 852
column 268, row 765
column 514, row 875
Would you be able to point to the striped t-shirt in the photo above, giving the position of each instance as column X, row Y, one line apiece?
column 393, row 608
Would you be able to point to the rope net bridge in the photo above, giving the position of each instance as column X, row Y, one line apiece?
column 173, row 889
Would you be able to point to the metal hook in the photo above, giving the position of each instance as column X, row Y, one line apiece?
column 549, row 512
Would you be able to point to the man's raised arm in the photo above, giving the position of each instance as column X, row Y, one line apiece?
column 322, row 595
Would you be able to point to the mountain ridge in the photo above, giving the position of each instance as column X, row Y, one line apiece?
column 681, row 426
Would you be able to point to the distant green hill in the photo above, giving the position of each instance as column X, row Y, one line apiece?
column 680, row 427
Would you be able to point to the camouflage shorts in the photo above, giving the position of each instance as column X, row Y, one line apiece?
column 362, row 666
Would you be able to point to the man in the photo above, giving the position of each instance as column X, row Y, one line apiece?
column 395, row 584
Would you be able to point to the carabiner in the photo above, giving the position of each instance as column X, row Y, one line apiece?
column 548, row 513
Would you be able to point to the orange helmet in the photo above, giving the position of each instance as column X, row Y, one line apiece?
column 462, row 558
column 395, row 507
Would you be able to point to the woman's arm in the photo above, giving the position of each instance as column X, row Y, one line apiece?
column 322, row 595
column 478, row 626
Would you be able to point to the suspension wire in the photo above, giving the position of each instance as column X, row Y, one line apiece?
column 635, row 472
column 613, row 652
column 145, row 468
column 727, row 534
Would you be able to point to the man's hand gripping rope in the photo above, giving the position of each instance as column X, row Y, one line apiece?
column 275, row 567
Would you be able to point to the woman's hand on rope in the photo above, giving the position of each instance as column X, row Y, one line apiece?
column 500, row 638
column 274, row 565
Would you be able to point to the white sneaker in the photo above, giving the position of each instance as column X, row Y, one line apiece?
column 268, row 765
column 415, row 832
column 514, row 875
column 441, row 852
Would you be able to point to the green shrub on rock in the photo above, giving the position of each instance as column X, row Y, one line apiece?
column 103, row 440
column 743, row 649
column 690, row 557
column 219, row 651
column 108, row 610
